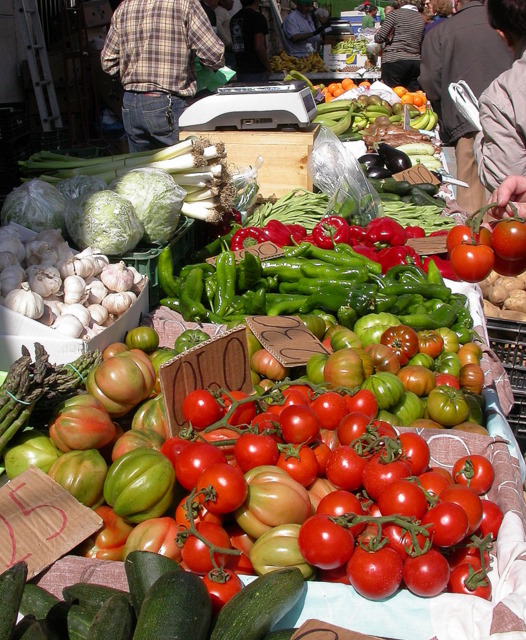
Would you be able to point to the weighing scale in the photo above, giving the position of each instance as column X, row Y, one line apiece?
column 273, row 105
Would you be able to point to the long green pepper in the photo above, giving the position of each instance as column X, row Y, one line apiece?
column 226, row 281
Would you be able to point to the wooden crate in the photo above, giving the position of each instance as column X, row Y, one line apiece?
column 284, row 153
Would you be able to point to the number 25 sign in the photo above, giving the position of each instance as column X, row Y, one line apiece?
column 40, row 521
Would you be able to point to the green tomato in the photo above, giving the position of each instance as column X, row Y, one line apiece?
column 447, row 406
column 144, row 338
column 388, row 389
column 369, row 328
column 278, row 549
column 82, row 473
column 140, row 485
column 448, row 362
column 390, row 418
column 409, row 408
column 315, row 324
column 29, row 448
column 423, row 360
column 190, row 338
column 476, row 407
column 315, row 367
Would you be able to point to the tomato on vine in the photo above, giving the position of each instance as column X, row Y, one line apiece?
column 474, row 471
column 472, row 262
column 508, row 239
column 201, row 409
column 323, row 543
column 221, row 585
column 375, row 575
column 222, row 488
column 255, row 450
column 426, row 574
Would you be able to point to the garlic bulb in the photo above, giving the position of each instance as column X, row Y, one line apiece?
column 48, row 317
column 99, row 314
column 79, row 311
column 74, row 289
column 39, row 252
column 69, row 325
column 25, row 301
column 45, row 280
column 11, row 242
column 117, row 277
column 54, row 306
column 96, row 291
column 118, row 303
column 11, row 278
column 65, row 267
column 7, row 258
column 99, row 262
column 83, row 267
column 53, row 237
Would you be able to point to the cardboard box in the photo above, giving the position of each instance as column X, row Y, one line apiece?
column 284, row 153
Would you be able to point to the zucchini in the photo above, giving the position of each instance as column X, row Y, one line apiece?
column 389, row 197
column 36, row 601
column 79, row 621
column 421, row 198
column 253, row 611
column 390, row 185
column 431, row 189
column 12, row 583
column 31, row 629
column 176, row 607
column 115, row 620
column 142, row 569
column 92, row 596
column 280, row 634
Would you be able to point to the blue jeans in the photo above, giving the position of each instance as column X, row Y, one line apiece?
column 151, row 120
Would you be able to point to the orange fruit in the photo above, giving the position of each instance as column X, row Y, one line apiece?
column 332, row 87
column 328, row 97
column 419, row 99
column 407, row 98
column 364, row 83
column 338, row 92
column 400, row 91
column 348, row 83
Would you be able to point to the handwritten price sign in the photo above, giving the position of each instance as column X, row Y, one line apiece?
column 417, row 174
column 263, row 250
column 317, row 630
column 41, row 521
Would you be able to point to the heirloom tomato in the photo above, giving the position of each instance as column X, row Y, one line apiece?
column 410, row 408
column 108, row 543
column 403, row 340
column 82, row 473
column 386, row 387
column 323, row 543
column 383, row 358
column 315, row 368
column 156, row 535
column 144, row 338
column 450, row 339
column 430, row 343
column 278, row 549
column 447, row 406
column 319, row 489
column 471, row 377
column 417, row 379
column 134, row 439
column 344, row 338
column 344, row 368
column 157, row 358
column 113, row 349
column 266, row 365
column 370, row 328
column 81, row 422
column 448, row 362
column 151, row 416
column 470, row 353
column 30, row 448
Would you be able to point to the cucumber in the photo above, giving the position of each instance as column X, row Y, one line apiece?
column 422, row 198
column 280, row 634
column 253, row 611
column 12, row 583
column 79, row 621
column 115, row 620
column 92, row 596
column 176, row 607
column 389, row 197
column 36, row 601
column 431, row 189
column 390, row 185
column 143, row 568
column 31, row 629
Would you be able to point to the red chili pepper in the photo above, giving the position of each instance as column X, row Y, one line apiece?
column 329, row 231
column 386, row 231
column 297, row 231
column 443, row 265
column 414, row 232
column 277, row 232
column 246, row 237
column 393, row 256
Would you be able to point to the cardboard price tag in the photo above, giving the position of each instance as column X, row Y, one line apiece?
column 429, row 245
column 41, row 521
column 220, row 363
column 263, row 250
column 318, row 630
column 286, row 338
column 417, row 174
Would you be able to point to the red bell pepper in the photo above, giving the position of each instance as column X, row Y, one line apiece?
column 386, row 231
column 393, row 256
column 441, row 232
column 297, row 232
column 357, row 235
column 443, row 265
column 277, row 232
column 414, row 232
column 246, row 237
column 365, row 250
column 331, row 230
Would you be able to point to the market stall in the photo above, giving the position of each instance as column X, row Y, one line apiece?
column 329, row 320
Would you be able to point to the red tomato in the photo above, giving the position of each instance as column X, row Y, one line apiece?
column 474, row 471
column 224, row 487
column 377, row 475
column 201, row 409
column 402, row 340
column 193, row 459
column 508, row 239
column 375, row 575
column 337, row 503
column 415, row 451
column 462, row 233
column 433, row 482
column 509, row 267
column 268, row 424
column 304, row 389
column 448, row 523
column 466, row 579
column 172, row 447
column 223, row 438
column 384, row 429
column 199, row 513
column 196, row 553
column 468, row 500
column 471, row 377
column 400, row 540
column 363, row 401
column 255, row 450
column 472, row 262
column 322, row 453
column 468, row 554
column 345, row 468
column 300, row 464
column 243, row 413
column 299, row 424
column 292, row 397
column 352, row 426
column 447, row 379
column 430, row 342
column 491, row 519
column 323, row 543
column 338, row 575
column 426, row 575
column 221, row 586
column 404, row 498
column 330, row 407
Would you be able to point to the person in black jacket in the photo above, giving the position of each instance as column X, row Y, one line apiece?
column 249, row 29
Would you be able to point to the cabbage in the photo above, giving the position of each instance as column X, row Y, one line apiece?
column 104, row 220
column 36, row 205
column 79, row 185
column 157, row 200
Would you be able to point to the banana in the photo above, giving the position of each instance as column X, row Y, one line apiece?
column 333, row 115
column 334, row 105
column 378, row 110
column 396, row 118
column 432, row 121
column 342, row 125
column 422, row 121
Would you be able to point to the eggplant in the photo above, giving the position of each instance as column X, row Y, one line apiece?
column 378, row 173
column 394, row 159
column 371, row 160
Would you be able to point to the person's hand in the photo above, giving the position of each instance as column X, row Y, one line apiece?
column 512, row 190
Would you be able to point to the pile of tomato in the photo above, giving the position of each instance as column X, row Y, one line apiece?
column 311, row 478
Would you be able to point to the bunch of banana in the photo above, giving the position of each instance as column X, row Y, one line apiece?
column 352, row 116
column 427, row 121
column 312, row 63
column 374, row 111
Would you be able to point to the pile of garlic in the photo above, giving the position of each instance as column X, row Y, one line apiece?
column 78, row 294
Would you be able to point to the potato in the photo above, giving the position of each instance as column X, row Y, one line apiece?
column 509, row 283
column 490, row 310
column 517, row 316
column 516, row 302
column 498, row 294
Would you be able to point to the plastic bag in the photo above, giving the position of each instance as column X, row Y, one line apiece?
column 335, row 171
column 245, row 182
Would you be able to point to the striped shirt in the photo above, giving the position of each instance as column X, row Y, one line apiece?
column 152, row 45
column 401, row 34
